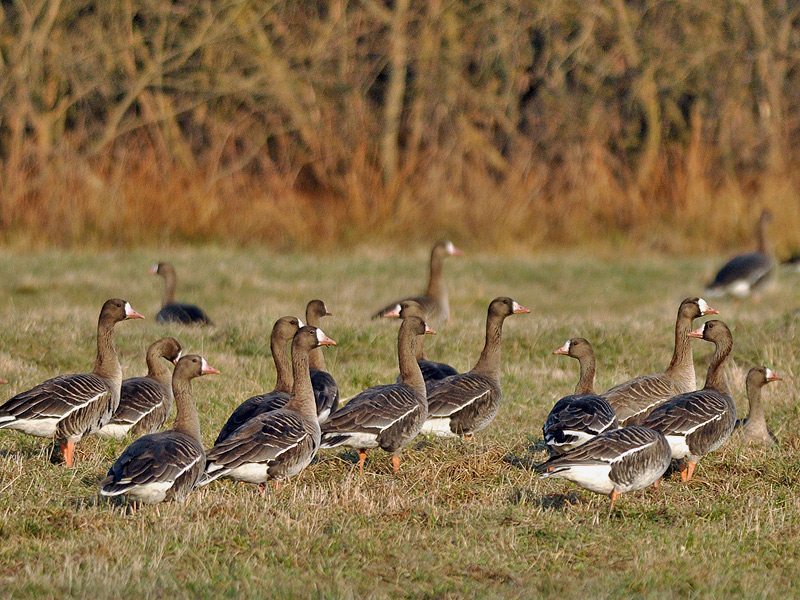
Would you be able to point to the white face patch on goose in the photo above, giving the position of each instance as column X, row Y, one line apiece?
column 450, row 248
column 203, row 364
column 702, row 305
column 300, row 323
column 321, row 337
column 180, row 353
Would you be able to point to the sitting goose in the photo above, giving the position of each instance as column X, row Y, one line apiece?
column 385, row 416
column 176, row 312
column 614, row 462
column 754, row 428
column 166, row 465
column 434, row 301
column 462, row 404
column 326, row 392
column 145, row 402
column 747, row 273
column 697, row 423
column 284, row 330
column 69, row 407
column 431, row 371
column 277, row 444
column 635, row 398
column 576, row 419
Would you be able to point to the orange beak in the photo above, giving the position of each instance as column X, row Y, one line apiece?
column 394, row 313
column 697, row 333
column 564, row 349
column 428, row 330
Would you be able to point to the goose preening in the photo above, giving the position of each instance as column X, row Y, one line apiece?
column 326, row 392
column 385, row 416
column 614, row 462
column 280, row 443
column 145, row 402
column 754, row 428
column 462, row 404
column 431, row 371
column 69, row 407
column 172, row 311
column 699, row 422
column 283, row 331
column 166, row 465
column 577, row 418
column 635, row 398
column 434, row 301
column 747, row 273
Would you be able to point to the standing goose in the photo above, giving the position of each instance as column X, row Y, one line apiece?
column 166, row 465
column 284, row 330
column 69, row 407
column 434, row 301
column 635, row 398
column 145, row 402
column 614, row 462
column 385, row 416
column 431, row 371
column 326, row 392
column 699, row 422
column 747, row 273
column 277, row 444
column 754, row 427
column 176, row 312
column 577, row 418
column 462, row 404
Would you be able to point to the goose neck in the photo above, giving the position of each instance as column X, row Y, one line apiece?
column 283, row 366
column 187, row 420
column 302, row 400
column 107, row 363
column 714, row 377
column 489, row 362
column 586, row 379
column 410, row 373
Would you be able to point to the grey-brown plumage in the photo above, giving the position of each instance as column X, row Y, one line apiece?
column 70, row 407
column 754, row 428
column 283, row 331
column 697, row 423
column 434, row 300
column 326, row 392
column 462, row 404
column 634, row 399
column 166, row 465
column 385, row 416
column 277, row 444
column 145, row 402
column 577, row 418
column 172, row 311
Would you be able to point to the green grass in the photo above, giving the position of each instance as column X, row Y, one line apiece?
column 462, row 519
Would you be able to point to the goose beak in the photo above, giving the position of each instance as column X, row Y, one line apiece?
column 705, row 309
column 697, row 333
column 177, row 358
column 773, row 376
column 453, row 251
column 208, row 369
column 328, row 313
column 564, row 349
column 428, row 330
column 153, row 270
column 3, row 380
column 520, row 310
column 130, row 313
column 323, row 339
column 394, row 313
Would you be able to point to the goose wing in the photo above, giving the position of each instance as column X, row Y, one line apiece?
column 688, row 412
column 750, row 268
column 633, row 399
column 139, row 396
column 605, row 449
column 578, row 414
column 373, row 410
column 454, row 393
column 326, row 393
column 251, row 408
column 56, row 398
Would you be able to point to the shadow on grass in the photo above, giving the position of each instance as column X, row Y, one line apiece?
column 535, row 454
column 556, row 502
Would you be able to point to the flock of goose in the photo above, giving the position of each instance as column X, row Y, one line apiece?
column 621, row 440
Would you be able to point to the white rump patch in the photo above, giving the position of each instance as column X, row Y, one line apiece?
column 438, row 427
column 115, row 430
column 678, row 446
column 594, row 478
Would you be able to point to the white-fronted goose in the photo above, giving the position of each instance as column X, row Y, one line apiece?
column 699, row 422
column 166, row 465
column 431, row 371
column 635, row 398
column 385, row 416
column 69, row 407
column 145, row 402
column 462, row 404
column 754, row 428
column 277, row 444
column 747, row 273
column 283, row 331
column 577, row 418
column 434, row 301
column 172, row 311
column 326, row 392
column 614, row 462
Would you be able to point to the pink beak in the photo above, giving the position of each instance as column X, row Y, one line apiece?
column 153, row 270
column 324, row 340
column 697, row 333
column 208, row 369
column 394, row 313
column 132, row 314
column 3, row 380
column 455, row 252
column 711, row 311
column 520, row 310
column 428, row 330
column 564, row 349
column 773, row 376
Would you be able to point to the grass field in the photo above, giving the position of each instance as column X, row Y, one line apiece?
column 462, row 519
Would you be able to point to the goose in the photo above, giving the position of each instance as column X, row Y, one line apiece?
column 463, row 404
column 614, row 462
column 434, row 301
column 283, row 331
column 326, row 392
column 3, row 380
column 69, row 407
column 747, row 273
column 176, row 312
column 754, row 428
column 166, row 465
column 145, row 402
column 634, row 399
column 385, row 416
column 697, row 423
column 431, row 371
column 277, row 444
column 577, row 418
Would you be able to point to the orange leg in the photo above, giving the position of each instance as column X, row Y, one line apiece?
column 614, row 495
column 657, row 483
column 468, row 437
column 67, row 449
column 690, row 471
column 396, row 463
column 683, row 470
column 362, row 457
column 262, row 488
